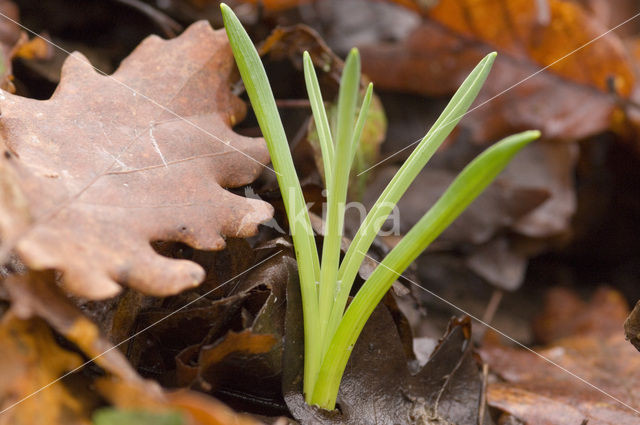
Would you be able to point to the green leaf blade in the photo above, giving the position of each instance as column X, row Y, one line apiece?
column 451, row 115
column 336, row 313
column 464, row 189
column 319, row 116
column 259, row 90
column 337, row 190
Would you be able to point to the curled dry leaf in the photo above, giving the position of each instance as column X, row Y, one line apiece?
column 111, row 163
column 588, row 344
column 35, row 295
column 291, row 42
column 632, row 326
column 529, row 36
column 31, row 360
column 246, row 365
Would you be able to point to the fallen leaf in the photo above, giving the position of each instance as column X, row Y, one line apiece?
column 612, row 12
column 38, row 48
column 632, row 326
column 565, row 315
column 377, row 386
column 205, row 410
column 105, row 169
column 529, row 36
column 155, row 351
column 532, row 199
column 36, row 295
column 195, row 408
column 540, row 393
column 31, row 360
column 291, row 42
column 245, row 365
column 274, row 5
column 11, row 37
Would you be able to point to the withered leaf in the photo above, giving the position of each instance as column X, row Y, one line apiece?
column 195, row 408
column 377, row 386
column 291, row 42
column 533, row 198
column 36, row 295
column 246, row 364
column 271, row 5
column 632, row 326
column 31, row 360
column 565, row 315
column 540, row 393
column 108, row 165
column 10, row 39
column 529, row 36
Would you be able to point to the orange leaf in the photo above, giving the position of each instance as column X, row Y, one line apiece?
column 521, row 91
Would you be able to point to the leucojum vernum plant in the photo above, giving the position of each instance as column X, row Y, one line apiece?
column 330, row 331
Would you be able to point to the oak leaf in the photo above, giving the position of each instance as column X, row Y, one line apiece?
column 110, row 164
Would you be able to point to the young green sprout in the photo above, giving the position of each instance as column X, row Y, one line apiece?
column 330, row 332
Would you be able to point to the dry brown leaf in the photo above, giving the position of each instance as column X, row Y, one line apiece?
column 566, row 315
column 540, row 393
column 632, row 326
column 277, row 5
column 36, row 296
column 612, row 12
column 457, row 34
column 105, row 169
column 245, row 364
column 31, row 360
column 195, row 408
column 291, row 42
column 10, row 38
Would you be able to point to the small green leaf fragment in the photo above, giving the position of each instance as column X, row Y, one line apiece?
column 111, row 416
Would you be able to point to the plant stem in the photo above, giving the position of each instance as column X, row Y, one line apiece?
column 464, row 189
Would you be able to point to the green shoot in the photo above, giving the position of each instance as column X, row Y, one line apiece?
column 330, row 332
column 259, row 91
column 465, row 188
column 337, row 189
column 452, row 114
column 319, row 116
